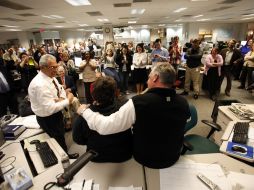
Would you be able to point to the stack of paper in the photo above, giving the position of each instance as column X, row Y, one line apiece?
column 125, row 188
column 183, row 175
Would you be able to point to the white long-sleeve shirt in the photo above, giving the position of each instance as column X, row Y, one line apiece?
column 43, row 93
column 114, row 123
column 140, row 60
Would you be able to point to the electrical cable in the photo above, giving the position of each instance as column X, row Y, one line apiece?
column 144, row 172
column 9, row 163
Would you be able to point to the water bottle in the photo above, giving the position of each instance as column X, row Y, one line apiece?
column 65, row 161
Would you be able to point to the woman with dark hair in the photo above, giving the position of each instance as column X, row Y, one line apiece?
column 212, row 72
column 140, row 59
column 111, row 148
column 88, row 67
column 124, row 61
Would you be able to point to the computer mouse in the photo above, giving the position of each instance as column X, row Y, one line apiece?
column 35, row 141
column 239, row 149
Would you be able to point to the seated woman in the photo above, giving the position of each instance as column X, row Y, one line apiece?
column 111, row 148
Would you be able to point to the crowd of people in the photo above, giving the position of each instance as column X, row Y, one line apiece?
column 119, row 130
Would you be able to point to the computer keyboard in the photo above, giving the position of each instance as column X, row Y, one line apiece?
column 241, row 132
column 47, row 155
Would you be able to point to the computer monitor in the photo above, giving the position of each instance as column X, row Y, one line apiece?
column 77, row 61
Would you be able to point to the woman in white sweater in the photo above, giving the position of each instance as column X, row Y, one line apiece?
column 140, row 60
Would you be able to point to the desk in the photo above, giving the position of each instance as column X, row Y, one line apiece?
column 227, row 163
column 15, row 149
column 118, row 174
column 29, row 132
column 105, row 174
column 223, row 119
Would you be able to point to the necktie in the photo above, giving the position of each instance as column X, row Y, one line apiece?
column 4, row 86
column 58, row 93
column 63, row 82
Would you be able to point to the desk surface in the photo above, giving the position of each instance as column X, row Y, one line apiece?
column 105, row 174
column 226, row 162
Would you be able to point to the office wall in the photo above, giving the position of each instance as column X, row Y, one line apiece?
column 23, row 37
column 220, row 31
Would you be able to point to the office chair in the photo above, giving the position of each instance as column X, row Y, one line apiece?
column 196, row 144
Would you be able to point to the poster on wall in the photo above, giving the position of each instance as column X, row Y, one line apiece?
column 223, row 34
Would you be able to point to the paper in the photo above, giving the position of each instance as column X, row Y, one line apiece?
column 241, row 181
column 89, row 185
column 183, row 176
column 125, row 188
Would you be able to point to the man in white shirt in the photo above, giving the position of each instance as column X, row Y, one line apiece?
column 158, row 118
column 48, row 99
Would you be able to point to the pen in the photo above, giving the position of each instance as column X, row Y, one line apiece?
column 83, row 184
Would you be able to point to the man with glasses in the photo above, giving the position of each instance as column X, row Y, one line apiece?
column 231, row 57
column 48, row 98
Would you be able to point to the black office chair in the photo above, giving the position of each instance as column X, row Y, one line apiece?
column 196, row 144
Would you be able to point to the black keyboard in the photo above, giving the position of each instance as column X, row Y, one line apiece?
column 47, row 155
column 241, row 132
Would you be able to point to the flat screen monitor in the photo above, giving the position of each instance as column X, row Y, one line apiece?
column 77, row 61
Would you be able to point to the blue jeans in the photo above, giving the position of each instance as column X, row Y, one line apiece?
column 113, row 73
column 124, row 78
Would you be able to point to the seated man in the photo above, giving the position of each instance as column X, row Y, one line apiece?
column 110, row 148
column 158, row 118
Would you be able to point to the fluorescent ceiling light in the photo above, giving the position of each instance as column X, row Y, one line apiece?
column 80, row 29
column 102, row 19
column 59, row 26
column 78, row 2
column 137, row 11
column 204, row 19
column 9, row 26
column 13, row 29
column 82, row 24
column 132, row 22
column 247, row 18
column 52, row 16
column 144, row 26
column 197, row 16
column 178, row 20
column 56, row 16
column 180, row 10
column 161, row 25
column 248, row 15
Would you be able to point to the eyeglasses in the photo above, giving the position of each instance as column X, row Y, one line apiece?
column 52, row 67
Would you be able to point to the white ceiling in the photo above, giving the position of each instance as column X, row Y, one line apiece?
column 156, row 12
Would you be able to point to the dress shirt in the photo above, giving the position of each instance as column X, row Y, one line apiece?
column 164, row 56
column 43, row 93
column 105, row 125
column 228, row 57
column 140, row 60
